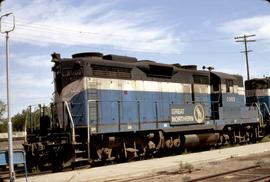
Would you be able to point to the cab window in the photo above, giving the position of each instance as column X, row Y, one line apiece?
column 229, row 86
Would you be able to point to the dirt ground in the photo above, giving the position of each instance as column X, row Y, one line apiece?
column 187, row 172
column 17, row 144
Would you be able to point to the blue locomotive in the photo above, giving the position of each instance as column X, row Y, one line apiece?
column 111, row 107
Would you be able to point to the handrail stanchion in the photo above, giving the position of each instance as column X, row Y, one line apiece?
column 72, row 122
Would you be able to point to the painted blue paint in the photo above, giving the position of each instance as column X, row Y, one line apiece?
column 237, row 115
column 146, row 107
column 232, row 100
column 78, row 109
column 261, row 100
column 266, row 100
column 152, row 106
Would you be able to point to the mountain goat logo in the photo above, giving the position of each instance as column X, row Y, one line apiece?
column 198, row 113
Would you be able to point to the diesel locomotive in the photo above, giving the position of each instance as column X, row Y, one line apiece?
column 114, row 108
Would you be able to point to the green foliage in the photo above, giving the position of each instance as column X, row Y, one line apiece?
column 35, row 117
column 185, row 167
column 259, row 162
column 2, row 109
column 3, row 122
column 3, row 126
column 18, row 121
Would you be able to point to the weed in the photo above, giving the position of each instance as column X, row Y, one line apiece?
column 185, row 167
column 186, row 178
column 259, row 162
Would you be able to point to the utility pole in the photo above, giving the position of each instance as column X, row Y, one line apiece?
column 10, row 137
column 246, row 51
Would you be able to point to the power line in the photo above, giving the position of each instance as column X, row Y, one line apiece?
column 246, row 51
column 54, row 29
column 122, row 48
column 57, row 29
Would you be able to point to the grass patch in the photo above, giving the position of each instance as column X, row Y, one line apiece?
column 185, row 167
column 259, row 162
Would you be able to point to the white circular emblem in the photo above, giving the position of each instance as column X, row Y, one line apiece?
column 199, row 114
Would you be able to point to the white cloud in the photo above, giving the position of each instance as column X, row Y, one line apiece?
column 30, row 80
column 26, row 89
column 34, row 61
column 259, row 25
column 27, row 80
column 62, row 23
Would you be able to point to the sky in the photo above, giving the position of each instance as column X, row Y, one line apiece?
column 176, row 31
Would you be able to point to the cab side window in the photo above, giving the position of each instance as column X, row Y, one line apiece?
column 229, row 86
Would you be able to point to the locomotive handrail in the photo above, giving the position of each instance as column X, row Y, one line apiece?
column 25, row 127
column 72, row 122
column 196, row 102
column 266, row 107
column 260, row 113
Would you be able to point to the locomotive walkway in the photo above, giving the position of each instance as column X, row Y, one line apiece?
column 133, row 170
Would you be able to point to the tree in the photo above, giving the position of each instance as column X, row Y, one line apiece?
column 3, row 126
column 3, row 122
column 18, row 121
column 2, row 109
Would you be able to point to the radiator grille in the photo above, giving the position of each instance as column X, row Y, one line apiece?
column 111, row 72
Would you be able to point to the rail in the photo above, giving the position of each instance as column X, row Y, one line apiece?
column 223, row 173
column 71, row 121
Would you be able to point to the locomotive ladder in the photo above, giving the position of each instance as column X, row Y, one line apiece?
column 78, row 146
column 92, row 93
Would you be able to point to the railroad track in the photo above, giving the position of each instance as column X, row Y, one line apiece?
column 254, row 173
column 248, row 174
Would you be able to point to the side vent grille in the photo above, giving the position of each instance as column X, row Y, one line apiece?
column 160, row 71
column 111, row 72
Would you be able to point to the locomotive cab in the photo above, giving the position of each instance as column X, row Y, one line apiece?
column 228, row 99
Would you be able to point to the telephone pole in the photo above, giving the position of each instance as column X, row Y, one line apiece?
column 246, row 51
